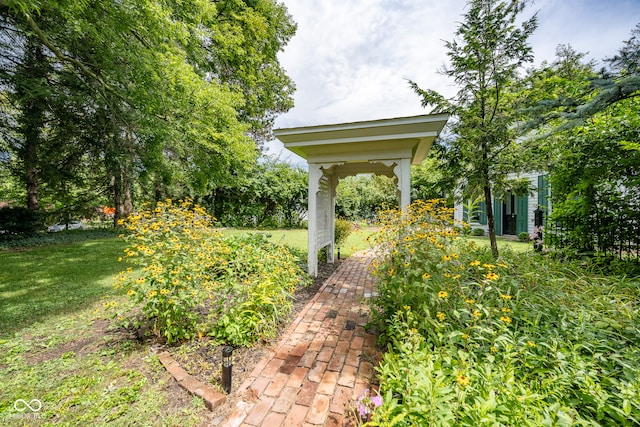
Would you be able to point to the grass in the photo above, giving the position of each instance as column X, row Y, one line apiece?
column 56, row 344
column 514, row 245
column 45, row 281
column 298, row 238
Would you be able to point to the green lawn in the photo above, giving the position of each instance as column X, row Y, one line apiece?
column 513, row 245
column 57, row 345
column 38, row 283
column 297, row 238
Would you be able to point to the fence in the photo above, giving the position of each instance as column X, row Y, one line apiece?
column 615, row 235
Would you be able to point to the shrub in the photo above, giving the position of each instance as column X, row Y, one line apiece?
column 192, row 281
column 18, row 220
column 524, row 340
column 477, row 232
column 523, row 236
column 342, row 230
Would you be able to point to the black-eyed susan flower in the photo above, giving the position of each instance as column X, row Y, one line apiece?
column 462, row 380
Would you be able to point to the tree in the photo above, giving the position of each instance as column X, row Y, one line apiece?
column 271, row 194
column 432, row 178
column 593, row 167
column 485, row 57
column 362, row 196
column 167, row 91
column 619, row 82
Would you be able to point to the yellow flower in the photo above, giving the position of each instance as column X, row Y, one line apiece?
column 441, row 316
column 505, row 297
column 531, row 344
column 446, row 258
column 476, row 313
column 130, row 292
column 140, row 280
column 407, row 307
column 469, row 301
column 474, row 263
column 406, row 264
column 164, row 291
column 487, row 265
column 463, row 380
column 505, row 310
column 443, row 294
column 491, row 276
column 152, row 294
column 502, row 265
column 493, row 349
column 465, row 336
column 505, row 319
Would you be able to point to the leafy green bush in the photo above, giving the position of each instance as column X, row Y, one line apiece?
column 524, row 340
column 477, row 232
column 342, row 229
column 193, row 281
column 523, row 236
column 18, row 220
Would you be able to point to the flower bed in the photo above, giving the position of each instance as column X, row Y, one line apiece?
column 522, row 340
column 191, row 281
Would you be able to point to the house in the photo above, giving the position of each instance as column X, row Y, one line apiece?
column 513, row 213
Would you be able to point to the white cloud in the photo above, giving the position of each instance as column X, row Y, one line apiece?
column 350, row 58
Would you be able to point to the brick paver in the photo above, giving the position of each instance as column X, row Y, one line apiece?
column 316, row 369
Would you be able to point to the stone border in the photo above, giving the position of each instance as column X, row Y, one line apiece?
column 212, row 398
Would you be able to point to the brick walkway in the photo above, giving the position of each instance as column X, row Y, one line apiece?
column 324, row 360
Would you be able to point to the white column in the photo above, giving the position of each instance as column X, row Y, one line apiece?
column 312, row 222
column 333, row 184
column 402, row 170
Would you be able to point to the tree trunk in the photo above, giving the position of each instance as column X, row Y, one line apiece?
column 31, row 173
column 32, row 120
column 117, row 197
column 491, row 221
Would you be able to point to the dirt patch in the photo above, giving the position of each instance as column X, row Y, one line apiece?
column 80, row 346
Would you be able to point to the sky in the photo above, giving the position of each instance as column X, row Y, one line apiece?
column 351, row 59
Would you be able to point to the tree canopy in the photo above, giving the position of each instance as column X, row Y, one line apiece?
column 105, row 97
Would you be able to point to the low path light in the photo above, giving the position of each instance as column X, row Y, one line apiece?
column 227, row 364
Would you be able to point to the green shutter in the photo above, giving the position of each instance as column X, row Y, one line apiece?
column 522, row 208
column 543, row 196
column 482, row 218
column 497, row 216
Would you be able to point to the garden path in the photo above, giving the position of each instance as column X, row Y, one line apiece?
column 324, row 361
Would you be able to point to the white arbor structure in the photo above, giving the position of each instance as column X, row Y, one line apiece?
column 385, row 147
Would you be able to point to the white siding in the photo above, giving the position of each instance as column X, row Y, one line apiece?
column 532, row 203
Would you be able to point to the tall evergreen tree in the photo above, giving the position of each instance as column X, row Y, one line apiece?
column 485, row 57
